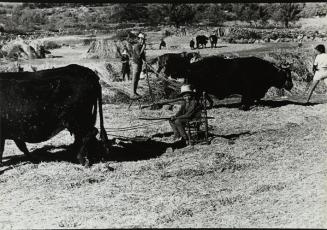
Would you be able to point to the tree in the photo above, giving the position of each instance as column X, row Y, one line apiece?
column 287, row 12
column 156, row 13
column 135, row 12
column 180, row 14
column 216, row 14
column 264, row 13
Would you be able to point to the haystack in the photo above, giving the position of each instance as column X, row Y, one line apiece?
column 105, row 48
column 19, row 49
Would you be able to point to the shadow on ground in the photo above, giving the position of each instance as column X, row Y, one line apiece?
column 133, row 149
column 267, row 103
column 140, row 150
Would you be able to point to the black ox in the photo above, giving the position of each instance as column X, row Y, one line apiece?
column 201, row 40
column 174, row 64
column 35, row 106
column 250, row 77
column 213, row 41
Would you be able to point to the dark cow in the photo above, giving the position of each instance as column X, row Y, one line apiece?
column 192, row 43
column 175, row 64
column 201, row 40
column 35, row 106
column 250, row 77
column 213, row 40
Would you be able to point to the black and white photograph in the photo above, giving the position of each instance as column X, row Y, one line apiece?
column 163, row 115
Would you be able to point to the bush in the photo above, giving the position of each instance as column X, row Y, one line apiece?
column 51, row 45
column 125, row 35
column 242, row 33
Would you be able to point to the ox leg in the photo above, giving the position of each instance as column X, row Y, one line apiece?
column 246, row 103
column 79, row 147
column 2, row 148
column 22, row 147
column 83, row 152
column 210, row 101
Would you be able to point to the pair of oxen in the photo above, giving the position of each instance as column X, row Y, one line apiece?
column 35, row 106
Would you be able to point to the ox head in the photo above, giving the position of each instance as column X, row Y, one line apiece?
column 285, row 71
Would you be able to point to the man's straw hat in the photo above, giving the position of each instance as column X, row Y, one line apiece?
column 186, row 89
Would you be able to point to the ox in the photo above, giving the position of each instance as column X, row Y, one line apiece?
column 213, row 41
column 250, row 77
column 175, row 64
column 201, row 40
column 35, row 106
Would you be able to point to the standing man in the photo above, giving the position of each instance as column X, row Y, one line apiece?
column 162, row 43
column 319, row 68
column 138, row 56
column 192, row 43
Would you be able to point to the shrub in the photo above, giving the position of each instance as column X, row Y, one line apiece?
column 51, row 45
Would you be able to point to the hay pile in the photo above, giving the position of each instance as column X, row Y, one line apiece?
column 301, row 66
column 23, row 49
column 106, row 48
column 120, row 91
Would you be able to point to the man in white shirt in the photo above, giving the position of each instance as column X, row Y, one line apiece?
column 319, row 68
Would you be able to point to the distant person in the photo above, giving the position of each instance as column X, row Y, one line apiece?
column 162, row 44
column 190, row 108
column 125, row 65
column 138, row 56
column 319, row 68
column 192, row 43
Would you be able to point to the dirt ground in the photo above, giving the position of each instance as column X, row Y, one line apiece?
column 264, row 168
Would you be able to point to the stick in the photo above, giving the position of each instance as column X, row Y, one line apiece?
column 162, row 77
column 168, row 118
column 163, row 102
column 154, row 118
column 147, row 79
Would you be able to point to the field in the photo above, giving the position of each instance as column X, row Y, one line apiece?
column 264, row 168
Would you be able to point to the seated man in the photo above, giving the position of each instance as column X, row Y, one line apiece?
column 190, row 108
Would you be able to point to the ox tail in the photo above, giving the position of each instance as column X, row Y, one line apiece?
column 103, row 133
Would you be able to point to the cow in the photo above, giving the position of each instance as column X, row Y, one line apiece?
column 175, row 64
column 251, row 77
column 192, row 44
column 213, row 40
column 35, row 106
column 201, row 40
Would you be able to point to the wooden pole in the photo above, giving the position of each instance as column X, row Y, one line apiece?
column 206, row 116
column 148, row 81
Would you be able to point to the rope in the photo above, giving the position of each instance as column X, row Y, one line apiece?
column 132, row 127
